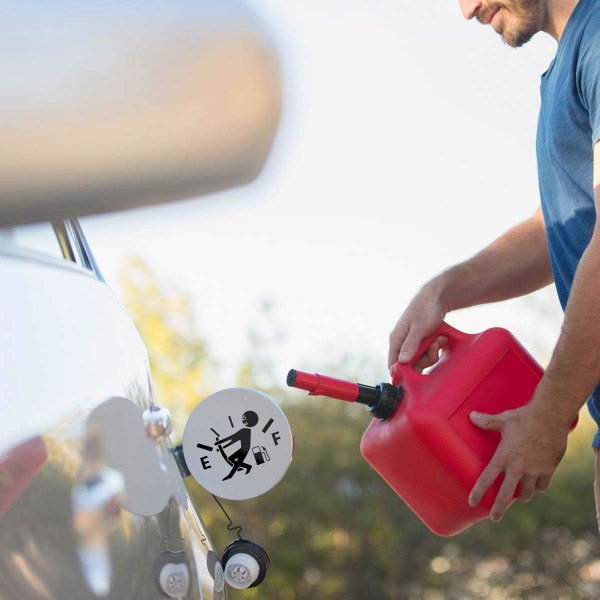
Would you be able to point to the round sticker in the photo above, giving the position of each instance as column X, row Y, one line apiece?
column 237, row 443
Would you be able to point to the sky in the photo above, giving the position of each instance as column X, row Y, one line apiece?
column 406, row 144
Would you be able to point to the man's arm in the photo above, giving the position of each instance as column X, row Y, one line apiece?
column 534, row 437
column 517, row 263
column 231, row 439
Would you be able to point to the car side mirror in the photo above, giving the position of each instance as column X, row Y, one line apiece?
column 119, row 105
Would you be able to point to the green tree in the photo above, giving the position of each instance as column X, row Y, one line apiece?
column 165, row 320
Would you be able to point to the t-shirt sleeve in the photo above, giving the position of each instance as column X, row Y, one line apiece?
column 589, row 73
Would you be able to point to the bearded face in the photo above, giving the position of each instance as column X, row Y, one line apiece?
column 517, row 21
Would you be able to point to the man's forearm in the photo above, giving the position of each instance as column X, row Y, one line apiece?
column 574, row 369
column 516, row 264
column 534, row 436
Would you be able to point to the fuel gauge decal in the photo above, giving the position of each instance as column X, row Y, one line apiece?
column 238, row 443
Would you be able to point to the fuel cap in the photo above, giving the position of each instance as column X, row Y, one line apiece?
column 246, row 564
column 237, row 443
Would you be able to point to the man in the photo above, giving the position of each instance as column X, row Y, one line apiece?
column 560, row 242
column 243, row 436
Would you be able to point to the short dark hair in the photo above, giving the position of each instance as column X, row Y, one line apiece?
column 251, row 418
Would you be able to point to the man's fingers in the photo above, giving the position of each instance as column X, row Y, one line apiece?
column 543, row 483
column 504, row 497
column 393, row 353
column 432, row 355
column 410, row 345
column 528, row 487
column 397, row 338
column 488, row 422
column 486, row 479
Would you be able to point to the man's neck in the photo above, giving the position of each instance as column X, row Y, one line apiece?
column 557, row 15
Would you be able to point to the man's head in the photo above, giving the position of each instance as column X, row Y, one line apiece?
column 517, row 21
column 249, row 418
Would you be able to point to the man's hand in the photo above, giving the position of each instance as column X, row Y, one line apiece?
column 532, row 446
column 422, row 317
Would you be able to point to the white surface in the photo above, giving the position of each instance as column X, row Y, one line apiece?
column 108, row 485
column 67, row 345
column 128, row 449
column 96, row 569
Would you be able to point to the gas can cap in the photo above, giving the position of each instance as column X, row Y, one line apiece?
column 241, row 571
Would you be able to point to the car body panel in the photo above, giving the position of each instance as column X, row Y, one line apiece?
column 74, row 384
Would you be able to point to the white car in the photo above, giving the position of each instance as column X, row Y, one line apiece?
column 115, row 108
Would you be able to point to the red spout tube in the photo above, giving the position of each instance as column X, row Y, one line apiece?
column 321, row 385
column 381, row 400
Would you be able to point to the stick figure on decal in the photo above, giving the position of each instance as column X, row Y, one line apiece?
column 244, row 437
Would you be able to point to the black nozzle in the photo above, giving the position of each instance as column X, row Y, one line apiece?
column 388, row 398
column 291, row 378
column 381, row 400
column 367, row 394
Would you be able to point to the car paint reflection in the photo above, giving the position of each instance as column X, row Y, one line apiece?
column 39, row 542
column 17, row 468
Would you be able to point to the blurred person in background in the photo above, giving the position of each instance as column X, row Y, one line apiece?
column 560, row 242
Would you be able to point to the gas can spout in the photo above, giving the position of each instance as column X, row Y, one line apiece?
column 380, row 400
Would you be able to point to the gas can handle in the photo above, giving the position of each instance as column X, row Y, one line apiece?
column 454, row 336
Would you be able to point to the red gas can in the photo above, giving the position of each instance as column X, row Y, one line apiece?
column 425, row 446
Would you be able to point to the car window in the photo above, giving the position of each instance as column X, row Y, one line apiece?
column 41, row 238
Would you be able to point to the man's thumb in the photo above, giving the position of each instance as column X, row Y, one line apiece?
column 409, row 347
column 484, row 421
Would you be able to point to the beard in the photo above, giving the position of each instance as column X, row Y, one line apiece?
column 519, row 20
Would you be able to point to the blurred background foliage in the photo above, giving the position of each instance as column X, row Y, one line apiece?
column 332, row 527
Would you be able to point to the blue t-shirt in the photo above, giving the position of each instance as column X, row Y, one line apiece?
column 568, row 129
